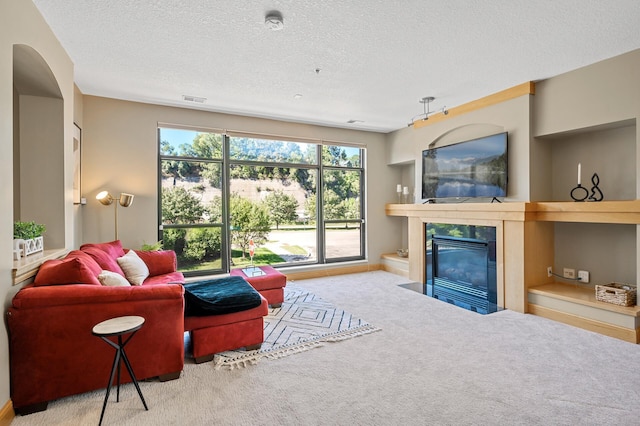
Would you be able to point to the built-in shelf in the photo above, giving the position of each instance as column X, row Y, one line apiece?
column 525, row 249
column 27, row 267
column 494, row 211
column 552, row 211
column 395, row 264
column 577, row 305
column 582, row 295
column 594, row 212
column 395, row 257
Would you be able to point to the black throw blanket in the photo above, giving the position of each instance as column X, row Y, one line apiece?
column 219, row 296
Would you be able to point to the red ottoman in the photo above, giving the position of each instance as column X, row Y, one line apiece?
column 218, row 333
column 221, row 314
column 271, row 285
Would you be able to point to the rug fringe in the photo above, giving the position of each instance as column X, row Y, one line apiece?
column 366, row 329
column 252, row 357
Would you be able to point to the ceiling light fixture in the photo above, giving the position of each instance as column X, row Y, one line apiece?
column 426, row 112
column 273, row 20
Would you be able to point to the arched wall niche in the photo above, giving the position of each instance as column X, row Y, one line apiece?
column 38, row 142
column 466, row 132
column 31, row 74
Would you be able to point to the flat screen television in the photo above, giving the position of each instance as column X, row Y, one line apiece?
column 469, row 169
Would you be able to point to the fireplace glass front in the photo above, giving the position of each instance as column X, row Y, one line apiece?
column 462, row 270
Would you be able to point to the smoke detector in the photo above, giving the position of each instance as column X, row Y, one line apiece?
column 273, row 20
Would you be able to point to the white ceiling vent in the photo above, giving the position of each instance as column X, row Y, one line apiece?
column 195, row 99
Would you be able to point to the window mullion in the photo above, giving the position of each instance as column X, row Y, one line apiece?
column 320, row 228
column 226, row 233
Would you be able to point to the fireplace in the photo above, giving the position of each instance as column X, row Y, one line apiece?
column 462, row 270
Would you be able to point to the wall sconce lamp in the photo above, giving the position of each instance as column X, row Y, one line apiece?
column 106, row 199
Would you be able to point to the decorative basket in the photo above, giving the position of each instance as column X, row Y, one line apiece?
column 618, row 294
column 402, row 252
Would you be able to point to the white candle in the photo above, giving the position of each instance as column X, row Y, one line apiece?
column 579, row 172
column 399, row 188
column 405, row 190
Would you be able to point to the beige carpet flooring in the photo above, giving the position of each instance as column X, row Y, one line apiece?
column 431, row 364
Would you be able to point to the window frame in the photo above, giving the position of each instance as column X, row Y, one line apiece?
column 227, row 163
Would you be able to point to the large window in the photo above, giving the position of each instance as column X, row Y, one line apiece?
column 342, row 203
column 297, row 202
column 191, row 184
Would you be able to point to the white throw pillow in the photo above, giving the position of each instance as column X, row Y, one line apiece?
column 134, row 268
column 112, row 279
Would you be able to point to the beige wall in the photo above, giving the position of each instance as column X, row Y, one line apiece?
column 77, row 208
column 120, row 154
column 42, row 154
column 582, row 103
column 589, row 116
column 609, row 153
column 601, row 93
column 405, row 146
column 21, row 23
column 120, row 150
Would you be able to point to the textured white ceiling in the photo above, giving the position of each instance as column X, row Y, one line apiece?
column 377, row 58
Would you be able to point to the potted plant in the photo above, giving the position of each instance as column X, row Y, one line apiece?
column 152, row 247
column 27, row 236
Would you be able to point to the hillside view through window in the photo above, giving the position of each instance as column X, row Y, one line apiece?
column 297, row 202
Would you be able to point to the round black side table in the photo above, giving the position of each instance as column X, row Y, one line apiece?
column 118, row 327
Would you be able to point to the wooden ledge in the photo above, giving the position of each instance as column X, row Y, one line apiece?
column 617, row 212
column 516, row 211
column 582, row 295
column 395, row 257
column 528, row 88
column 595, row 212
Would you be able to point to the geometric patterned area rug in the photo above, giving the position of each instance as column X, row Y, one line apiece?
column 303, row 322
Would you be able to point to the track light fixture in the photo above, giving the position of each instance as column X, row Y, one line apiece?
column 426, row 112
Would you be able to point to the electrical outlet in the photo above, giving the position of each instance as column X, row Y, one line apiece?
column 549, row 271
column 569, row 273
column 583, row 276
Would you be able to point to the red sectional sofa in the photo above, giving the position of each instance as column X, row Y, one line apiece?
column 52, row 351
